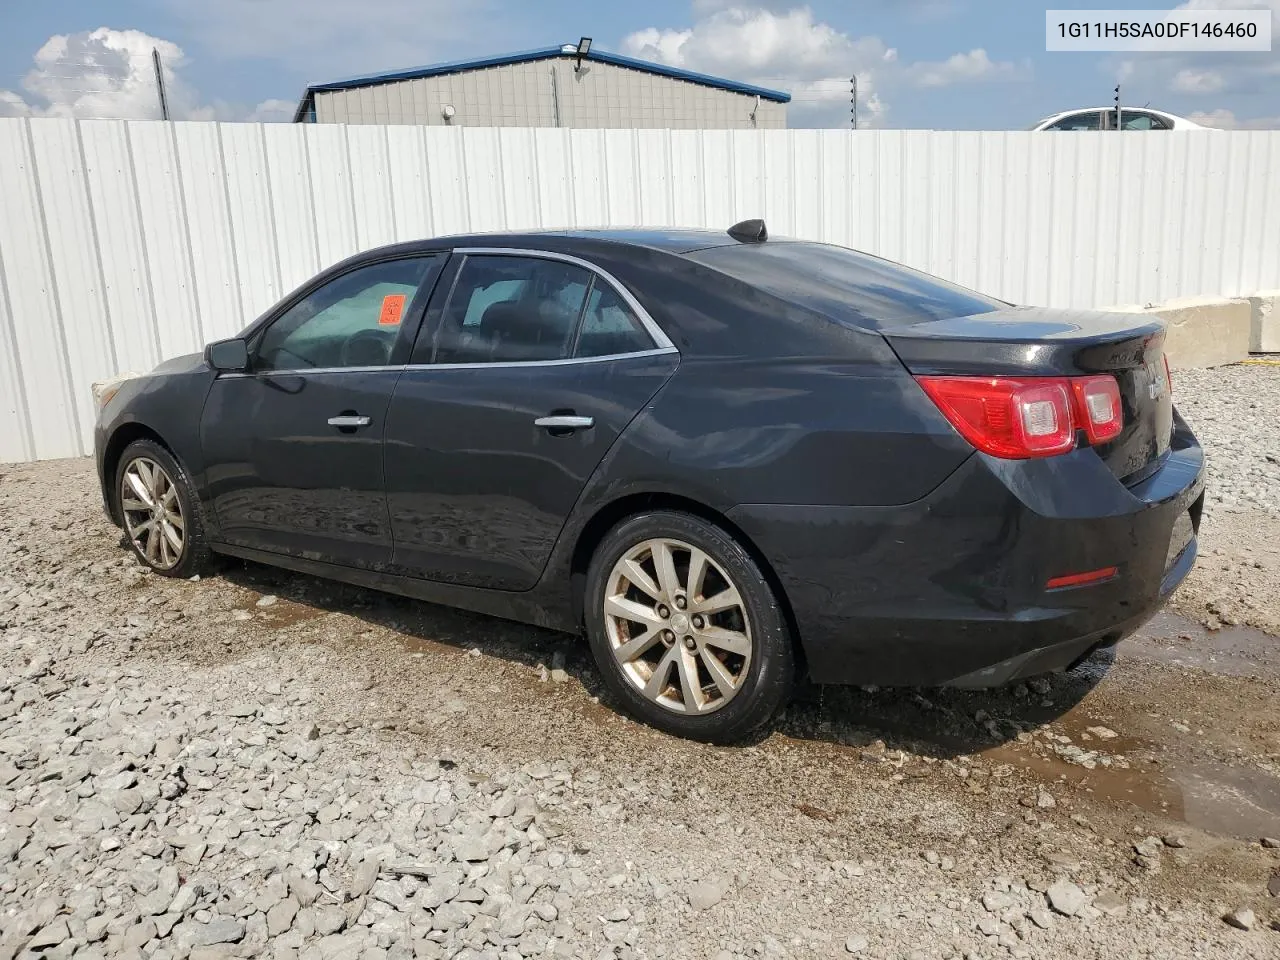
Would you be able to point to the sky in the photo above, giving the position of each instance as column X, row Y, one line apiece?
column 943, row 64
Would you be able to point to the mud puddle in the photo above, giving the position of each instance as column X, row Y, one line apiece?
column 1231, row 651
column 1239, row 800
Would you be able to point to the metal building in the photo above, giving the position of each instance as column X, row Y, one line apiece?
column 567, row 86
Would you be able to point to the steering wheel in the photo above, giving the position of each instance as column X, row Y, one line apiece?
column 368, row 348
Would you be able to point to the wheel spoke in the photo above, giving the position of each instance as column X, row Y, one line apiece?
column 638, row 645
column 630, row 610
column 658, row 680
column 142, row 528
column 139, row 485
column 637, row 577
column 690, row 687
column 665, row 564
column 726, row 599
column 148, row 477
column 171, row 536
column 730, row 640
column 719, row 673
column 170, row 496
column 175, row 519
column 134, row 506
column 153, row 544
column 697, row 572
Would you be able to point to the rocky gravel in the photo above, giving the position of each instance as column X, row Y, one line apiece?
column 260, row 764
column 1237, row 410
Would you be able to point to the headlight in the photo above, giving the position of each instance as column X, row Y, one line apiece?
column 104, row 390
column 106, row 393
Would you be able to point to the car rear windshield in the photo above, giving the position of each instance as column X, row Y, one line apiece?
column 845, row 285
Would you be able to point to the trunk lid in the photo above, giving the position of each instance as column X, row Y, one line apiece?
column 1041, row 342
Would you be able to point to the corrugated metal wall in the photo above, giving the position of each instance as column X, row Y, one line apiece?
column 122, row 243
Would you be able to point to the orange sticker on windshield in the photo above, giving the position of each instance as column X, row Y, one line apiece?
column 392, row 308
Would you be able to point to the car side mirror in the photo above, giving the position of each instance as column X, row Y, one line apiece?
column 228, row 356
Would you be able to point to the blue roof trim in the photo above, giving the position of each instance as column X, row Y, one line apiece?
column 525, row 56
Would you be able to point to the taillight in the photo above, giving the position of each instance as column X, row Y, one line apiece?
column 1168, row 377
column 1098, row 407
column 1007, row 417
column 1021, row 417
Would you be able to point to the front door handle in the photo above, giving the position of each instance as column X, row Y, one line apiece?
column 348, row 421
column 565, row 422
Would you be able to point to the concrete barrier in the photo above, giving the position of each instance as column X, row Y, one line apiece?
column 1205, row 331
column 1264, row 321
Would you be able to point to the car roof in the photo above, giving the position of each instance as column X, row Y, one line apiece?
column 667, row 239
column 1123, row 106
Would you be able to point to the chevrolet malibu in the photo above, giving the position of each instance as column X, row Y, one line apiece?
column 724, row 458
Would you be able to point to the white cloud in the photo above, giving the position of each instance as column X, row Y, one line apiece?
column 1191, row 80
column 787, row 48
column 110, row 73
column 273, row 110
column 103, row 73
column 1227, row 120
column 961, row 68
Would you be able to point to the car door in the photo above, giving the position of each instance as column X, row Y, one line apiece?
column 529, row 367
column 294, row 445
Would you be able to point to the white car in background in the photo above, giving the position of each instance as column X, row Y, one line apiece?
column 1104, row 118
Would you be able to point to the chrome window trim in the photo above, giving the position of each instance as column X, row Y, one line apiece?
column 306, row 371
column 564, row 362
column 567, row 361
column 656, row 333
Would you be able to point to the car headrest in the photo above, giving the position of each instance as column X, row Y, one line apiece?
column 510, row 321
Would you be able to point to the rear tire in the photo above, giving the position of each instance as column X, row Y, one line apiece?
column 159, row 512
column 685, row 629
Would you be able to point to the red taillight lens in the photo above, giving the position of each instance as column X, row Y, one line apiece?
column 1021, row 417
column 1098, row 407
column 1007, row 417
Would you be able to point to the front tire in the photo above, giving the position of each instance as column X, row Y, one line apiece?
column 685, row 629
column 158, row 510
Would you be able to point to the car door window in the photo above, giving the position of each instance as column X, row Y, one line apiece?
column 506, row 309
column 609, row 326
column 1089, row 120
column 1133, row 120
column 351, row 321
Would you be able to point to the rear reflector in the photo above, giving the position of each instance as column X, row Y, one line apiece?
column 1081, row 579
column 1017, row 418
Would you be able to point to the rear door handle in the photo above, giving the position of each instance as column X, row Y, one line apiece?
column 348, row 421
column 565, row 422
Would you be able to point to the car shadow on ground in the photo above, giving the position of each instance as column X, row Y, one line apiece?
column 928, row 722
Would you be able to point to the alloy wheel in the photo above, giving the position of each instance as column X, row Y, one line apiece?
column 678, row 626
column 153, row 513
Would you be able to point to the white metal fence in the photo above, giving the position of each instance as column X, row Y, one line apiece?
column 122, row 243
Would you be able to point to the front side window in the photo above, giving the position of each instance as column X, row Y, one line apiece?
column 1078, row 121
column 351, row 321
column 507, row 309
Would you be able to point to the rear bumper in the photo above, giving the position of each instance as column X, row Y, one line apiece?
column 950, row 589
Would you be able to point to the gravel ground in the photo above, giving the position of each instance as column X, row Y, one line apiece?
column 263, row 764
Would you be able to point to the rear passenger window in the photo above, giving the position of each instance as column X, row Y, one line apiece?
column 505, row 309
column 609, row 326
